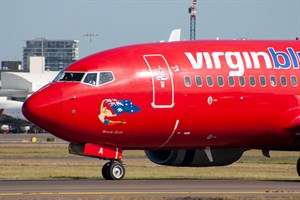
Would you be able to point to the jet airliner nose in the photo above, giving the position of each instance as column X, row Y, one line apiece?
column 44, row 108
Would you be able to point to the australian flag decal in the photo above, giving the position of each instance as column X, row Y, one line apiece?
column 122, row 106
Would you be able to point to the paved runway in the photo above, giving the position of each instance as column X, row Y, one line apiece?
column 147, row 188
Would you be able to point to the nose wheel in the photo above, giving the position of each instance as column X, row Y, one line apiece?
column 113, row 170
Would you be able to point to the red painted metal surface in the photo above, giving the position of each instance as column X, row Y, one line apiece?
column 172, row 115
column 102, row 151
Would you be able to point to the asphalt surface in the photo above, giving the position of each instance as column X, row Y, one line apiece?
column 148, row 188
column 92, row 188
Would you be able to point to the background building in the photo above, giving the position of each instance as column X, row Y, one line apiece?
column 19, row 85
column 11, row 66
column 57, row 53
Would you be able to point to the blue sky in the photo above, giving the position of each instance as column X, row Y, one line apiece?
column 123, row 22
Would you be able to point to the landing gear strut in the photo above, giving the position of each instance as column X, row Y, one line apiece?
column 113, row 170
column 298, row 167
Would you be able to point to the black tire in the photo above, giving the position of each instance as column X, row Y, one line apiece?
column 106, row 172
column 298, row 167
column 116, row 171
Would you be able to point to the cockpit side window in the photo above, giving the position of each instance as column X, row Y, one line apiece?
column 90, row 78
column 105, row 77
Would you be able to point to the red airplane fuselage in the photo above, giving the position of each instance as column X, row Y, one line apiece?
column 180, row 95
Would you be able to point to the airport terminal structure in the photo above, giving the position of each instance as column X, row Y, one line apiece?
column 19, row 85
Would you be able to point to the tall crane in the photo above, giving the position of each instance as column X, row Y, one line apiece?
column 193, row 11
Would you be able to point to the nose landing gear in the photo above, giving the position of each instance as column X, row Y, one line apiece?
column 113, row 170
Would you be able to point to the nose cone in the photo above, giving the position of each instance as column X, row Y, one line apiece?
column 44, row 108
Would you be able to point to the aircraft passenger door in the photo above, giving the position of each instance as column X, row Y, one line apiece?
column 162, row 81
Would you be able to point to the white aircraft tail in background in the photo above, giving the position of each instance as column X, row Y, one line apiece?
column 11, row 108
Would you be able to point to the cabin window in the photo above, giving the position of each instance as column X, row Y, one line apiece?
column 294, row 81
column 242, row 81
column 209, row 81
column 283, row 81
column 262, row 81
column 187, row 81
column 220, row 81
column 90, row 78
column 198, row 81
column 231, row 81
column 252, row 81
column 273, row 82
column 71, row 77
column 105, row 77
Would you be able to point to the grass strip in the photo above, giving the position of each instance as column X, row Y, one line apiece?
column 38, row 162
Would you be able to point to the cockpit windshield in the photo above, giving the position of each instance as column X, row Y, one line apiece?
column 70, row 77
column 90, row 78
column 59, row 75
column 98, row 78
column 105, row 77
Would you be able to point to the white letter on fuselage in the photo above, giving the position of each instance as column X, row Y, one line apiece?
column 216, row 58
column 196, row 63
column 208, row 60
column 256, row 62
column 248, row 62
column 237, row 65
